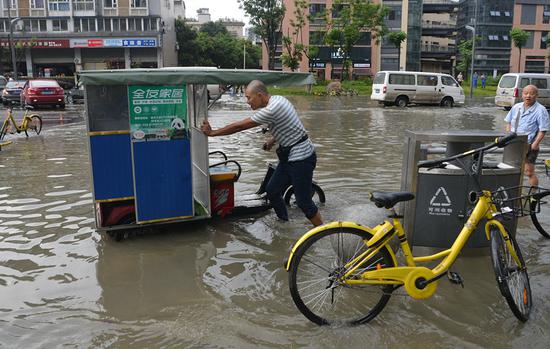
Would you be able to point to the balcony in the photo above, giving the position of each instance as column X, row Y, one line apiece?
column 438, row 29
column 439, row 6
column 436, row 51
column 84, row 8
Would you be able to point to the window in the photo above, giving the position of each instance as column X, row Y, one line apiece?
column 448, row 81
column 546, row 14
column 364, row 39
column 110, row 3
column 524, row 82
column 59, row 25
column 317, row 9
column 528, row 14
column 427, row 80
column 379, row 78
column 316, row 38
column 59, row 5
column 543, row 40
column 107, row 23
column 402, row 79
column 493, row 37
column 83, row 5
column 507, row 82
column 540, row 83
column 38, row 4
column 495, row 13
column 35, row 25
column 138, row 3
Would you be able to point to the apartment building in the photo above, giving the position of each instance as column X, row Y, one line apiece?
column 532, row 16
column 233, row 26
column 61, row 37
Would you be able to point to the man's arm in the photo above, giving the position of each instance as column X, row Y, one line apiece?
column 536, row 143
column 233, row 127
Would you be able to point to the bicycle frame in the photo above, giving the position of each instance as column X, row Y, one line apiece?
column 10, row 117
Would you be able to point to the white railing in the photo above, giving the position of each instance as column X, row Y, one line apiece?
column 110, row 11
column 83, row 5
column 140, row 11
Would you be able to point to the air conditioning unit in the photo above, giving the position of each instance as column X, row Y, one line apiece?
column 19, row 26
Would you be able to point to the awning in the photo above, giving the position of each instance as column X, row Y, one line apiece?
column 192, row 75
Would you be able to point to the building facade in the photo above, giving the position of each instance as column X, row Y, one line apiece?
column 493, row 24
column 532, row 16
column 234, row 27
column 61, row 37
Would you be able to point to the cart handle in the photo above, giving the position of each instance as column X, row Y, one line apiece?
column 218, row 152
column 225, row 163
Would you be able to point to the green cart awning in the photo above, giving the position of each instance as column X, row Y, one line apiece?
column 192, row 75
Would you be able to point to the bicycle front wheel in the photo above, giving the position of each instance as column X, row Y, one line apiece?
column 315, row 278
column 541, row 219
column 34, row 125
column 3, row 131
column 512, row 278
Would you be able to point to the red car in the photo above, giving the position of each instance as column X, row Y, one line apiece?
column 43, row 92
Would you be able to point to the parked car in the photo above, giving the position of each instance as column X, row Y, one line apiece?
column 12, row 92
column 43, row 92
column 75, row 94
column 404, row 87
column 511, row 85
column 3, row 82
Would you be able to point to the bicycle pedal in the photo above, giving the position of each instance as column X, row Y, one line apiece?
column 455, row 278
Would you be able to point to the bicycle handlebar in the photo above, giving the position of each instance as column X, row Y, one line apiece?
column 500, row 142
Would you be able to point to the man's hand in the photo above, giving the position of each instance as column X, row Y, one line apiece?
column 206, row 128
column 269, row 144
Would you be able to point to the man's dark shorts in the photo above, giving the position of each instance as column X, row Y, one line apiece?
column 531, row 156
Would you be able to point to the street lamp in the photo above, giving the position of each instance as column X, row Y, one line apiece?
column 473, row 30
column 12, row 48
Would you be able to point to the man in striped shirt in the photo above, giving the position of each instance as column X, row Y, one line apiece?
column 287, row 130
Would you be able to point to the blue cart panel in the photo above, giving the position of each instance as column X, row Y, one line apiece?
column 112, row 166
column 164, row 186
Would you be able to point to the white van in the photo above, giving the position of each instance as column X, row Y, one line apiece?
column 511, row 85
column 404, row 87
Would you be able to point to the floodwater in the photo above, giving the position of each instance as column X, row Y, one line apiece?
column 220, row 283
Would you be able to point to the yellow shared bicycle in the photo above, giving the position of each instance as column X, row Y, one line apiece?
column 31, row 122
column 343, row 272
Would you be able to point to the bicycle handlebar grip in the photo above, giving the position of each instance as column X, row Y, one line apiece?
column 504, row 141
column 429, row 163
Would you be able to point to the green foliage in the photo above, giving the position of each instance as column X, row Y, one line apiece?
column 213, row 28
column 294, row 48
column 185, row 36
column 465, row 57
column 396, row 38
column 519, row 38
column 353, row 17
column 214, row 47
column 266, row 16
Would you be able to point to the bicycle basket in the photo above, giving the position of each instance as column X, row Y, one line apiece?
column 523, row 204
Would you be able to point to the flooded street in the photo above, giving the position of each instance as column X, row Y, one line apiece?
column 220, row 283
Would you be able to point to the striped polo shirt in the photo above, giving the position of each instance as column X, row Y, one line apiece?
column 285, row 125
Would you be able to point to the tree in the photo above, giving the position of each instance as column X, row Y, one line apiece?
column 185, row 37
column 396, row 38
column 347, row 19
column 519, row 37
column 213, row 28
column 293, row 43
column 465, row 54
column 266, row 16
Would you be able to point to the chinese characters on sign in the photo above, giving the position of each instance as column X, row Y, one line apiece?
column 157, row 112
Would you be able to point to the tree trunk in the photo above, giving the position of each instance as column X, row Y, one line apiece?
column 399, row 58
column 519, row 61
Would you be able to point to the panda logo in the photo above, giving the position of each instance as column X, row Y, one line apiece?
column 177, row 124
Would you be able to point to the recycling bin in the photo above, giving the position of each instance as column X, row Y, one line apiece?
column 441, row 207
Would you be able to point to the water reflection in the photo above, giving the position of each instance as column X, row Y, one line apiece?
column 221, row 283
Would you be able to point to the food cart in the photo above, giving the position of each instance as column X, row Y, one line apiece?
column 150, row 162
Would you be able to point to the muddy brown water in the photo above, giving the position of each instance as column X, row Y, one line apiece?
column 220, row 284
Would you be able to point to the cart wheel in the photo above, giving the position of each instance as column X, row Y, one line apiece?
column 317, row 194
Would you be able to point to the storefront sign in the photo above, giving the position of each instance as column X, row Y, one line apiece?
column 335, row 55
column 126, row 42
column 36, row 43
column 158, row 112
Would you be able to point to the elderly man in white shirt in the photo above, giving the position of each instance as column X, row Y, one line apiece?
column 531, row 118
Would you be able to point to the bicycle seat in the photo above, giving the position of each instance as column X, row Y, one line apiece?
column 388, row 200
column 29, row 107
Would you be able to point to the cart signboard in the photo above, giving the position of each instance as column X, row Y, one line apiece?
column 157, row 112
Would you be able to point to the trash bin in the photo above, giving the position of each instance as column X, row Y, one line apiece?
column 441, row 205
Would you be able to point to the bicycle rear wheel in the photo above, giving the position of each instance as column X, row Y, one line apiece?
column 512, row 278
column 317, row 194
column 3, row 131
column 34, row 125
column 315, row 272
column 541, row 219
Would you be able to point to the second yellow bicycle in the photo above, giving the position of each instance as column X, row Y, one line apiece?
column 29, row 123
